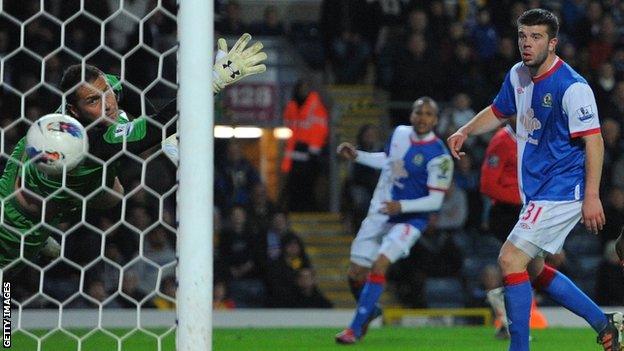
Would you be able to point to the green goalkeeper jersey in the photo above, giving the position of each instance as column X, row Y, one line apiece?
column 86, row 179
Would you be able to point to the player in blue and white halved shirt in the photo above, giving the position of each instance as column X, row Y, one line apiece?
column 560, row 156
column 416, row 172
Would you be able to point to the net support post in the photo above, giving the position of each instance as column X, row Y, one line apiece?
column 195, row 175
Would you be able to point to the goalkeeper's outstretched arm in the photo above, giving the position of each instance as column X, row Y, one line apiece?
column 230, row 67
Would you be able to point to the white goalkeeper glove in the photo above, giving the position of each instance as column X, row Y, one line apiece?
column 170, row 148
column 238, row 63
column 51, row 248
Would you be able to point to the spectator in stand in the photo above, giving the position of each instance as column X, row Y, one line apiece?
column 308, row 293
column 604, row 83
column 588, row 27
column 242, row 252
column 280, row 229
column 439, row 21
column 499, row 181
column 166, row 299
column 362, row 180
column 457, row 115
column 220, row 298
column 454, row 212
column 467, row 178
column 610, row 282
column 614, row 213
column 131, row 295
column 235, row 177
column 614, row 147
column 282, row 273
column 231, row 23
column 303, row 162
column 260, row 209
column 97, row 291
column 417, row 73
column 601, row 47
column 484, row 36
column 271, row 24
column 615, row 108
column 505, row 57
column 351, row 55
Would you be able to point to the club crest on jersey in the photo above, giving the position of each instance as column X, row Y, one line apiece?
column 547, row 100
column 585, row 114
column 418, row 159
column 529, row 121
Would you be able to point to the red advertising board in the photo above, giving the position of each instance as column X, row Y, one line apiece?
column 252, row 103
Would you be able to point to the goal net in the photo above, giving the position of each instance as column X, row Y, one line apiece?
column 113, row 285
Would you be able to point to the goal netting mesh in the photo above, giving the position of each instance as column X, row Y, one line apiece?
column 117, row 266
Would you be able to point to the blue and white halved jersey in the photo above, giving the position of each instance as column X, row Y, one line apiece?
column 413, row 167
column 552, row 111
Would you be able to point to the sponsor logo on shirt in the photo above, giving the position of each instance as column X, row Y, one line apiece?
column 123, row 129
column 585, row 114
column 398, row 171
column 530, row 122
column 547, row 100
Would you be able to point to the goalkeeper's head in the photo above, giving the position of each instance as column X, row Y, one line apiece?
column 424, row 115
column 89, row 97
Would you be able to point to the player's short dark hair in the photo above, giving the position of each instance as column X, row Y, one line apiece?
column 72, row 77
column 426, row 100
column 535, row 17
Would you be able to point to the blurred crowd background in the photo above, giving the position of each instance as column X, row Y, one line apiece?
column 455, row 51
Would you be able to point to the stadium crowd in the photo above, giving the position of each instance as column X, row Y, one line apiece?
column 457, row 52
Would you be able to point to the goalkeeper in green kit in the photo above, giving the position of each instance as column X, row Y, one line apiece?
column 93, row 102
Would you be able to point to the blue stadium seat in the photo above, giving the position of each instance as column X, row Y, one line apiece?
column 444, row 293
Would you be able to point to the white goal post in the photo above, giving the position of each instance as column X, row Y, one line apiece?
column 195, row 193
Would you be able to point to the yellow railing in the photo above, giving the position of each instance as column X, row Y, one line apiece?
column 393, row 315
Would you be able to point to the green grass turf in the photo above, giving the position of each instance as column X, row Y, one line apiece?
column 321, row 339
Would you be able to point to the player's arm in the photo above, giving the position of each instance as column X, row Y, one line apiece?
column 375, row 160
column 579, row 105
column 440, row 175
column 593, row 214
column 483, row 122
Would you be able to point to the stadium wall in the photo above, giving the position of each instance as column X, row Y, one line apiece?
column 244, row 318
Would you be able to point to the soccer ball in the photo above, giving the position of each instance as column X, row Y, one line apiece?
column 56, row 142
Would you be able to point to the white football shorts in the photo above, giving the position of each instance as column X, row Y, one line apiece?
column 377, row 236
column 544, row 225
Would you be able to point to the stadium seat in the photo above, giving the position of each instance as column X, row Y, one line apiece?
column 444, row 293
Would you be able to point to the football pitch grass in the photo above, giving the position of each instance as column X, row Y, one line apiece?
column 312, row 339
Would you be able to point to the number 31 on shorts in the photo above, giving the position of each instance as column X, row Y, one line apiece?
column 531, row 213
